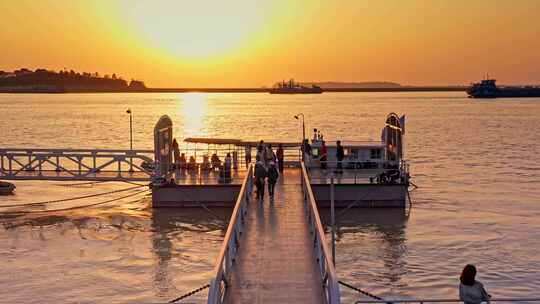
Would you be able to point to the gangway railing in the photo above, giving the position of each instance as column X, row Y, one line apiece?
column 75, row 164
column 229, row 249
column 425, row 301
column 324, row 255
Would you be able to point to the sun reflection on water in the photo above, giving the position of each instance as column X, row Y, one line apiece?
column 194, row 109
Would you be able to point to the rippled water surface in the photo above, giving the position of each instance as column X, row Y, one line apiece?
column 475, row 162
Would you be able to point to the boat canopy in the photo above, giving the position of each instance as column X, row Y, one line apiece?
column 236, row 142
column 357, row 144
column 213, row 141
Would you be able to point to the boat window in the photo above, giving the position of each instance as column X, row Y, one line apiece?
column 375, row 154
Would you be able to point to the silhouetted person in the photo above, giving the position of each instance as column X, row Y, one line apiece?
column 272, row 179
column 192, row 163
column 470, row 290
column 340, row 154
column 260, row 152
column 182, row 161
column 260, row 175
column 280, row 157
column 248, row 155
column 306, row 147
column 215, row 161
column 176, row 152
column 324, row 155
column 269, row 154
column 227, row 165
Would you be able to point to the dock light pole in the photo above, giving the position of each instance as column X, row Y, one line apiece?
column 297, row 116
column 130, row 138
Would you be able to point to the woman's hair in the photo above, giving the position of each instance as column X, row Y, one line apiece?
column 467, row 275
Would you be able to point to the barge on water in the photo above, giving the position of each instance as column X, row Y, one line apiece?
column 488, row 89
column 371, row 173
column 291, row 87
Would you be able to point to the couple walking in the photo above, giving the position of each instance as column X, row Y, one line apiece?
column 265, row 169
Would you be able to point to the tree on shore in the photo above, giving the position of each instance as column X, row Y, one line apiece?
column 66, row 80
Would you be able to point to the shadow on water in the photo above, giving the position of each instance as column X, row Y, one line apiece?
column 389, row 222
column 168, row 225
column 362, row 228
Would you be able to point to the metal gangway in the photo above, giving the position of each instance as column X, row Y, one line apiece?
column 75, row 164
column 275, row 252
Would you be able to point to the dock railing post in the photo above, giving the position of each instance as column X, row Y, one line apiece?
column 332, row 209
column 130, row 140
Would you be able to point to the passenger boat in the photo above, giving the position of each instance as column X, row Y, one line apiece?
column 291, row 87
column 6, row 188
column 487, row 88
column 372, row 173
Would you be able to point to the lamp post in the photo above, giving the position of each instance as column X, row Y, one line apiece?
column 297, row 116
column 130, row 138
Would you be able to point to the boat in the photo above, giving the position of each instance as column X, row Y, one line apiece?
column 373, row 173
column 291, row 87
column 488, row 88
column 6, row 188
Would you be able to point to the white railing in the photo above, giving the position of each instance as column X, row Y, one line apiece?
column 424, row 301
column 360, row 171
column 323, row 254
column 229, row 249
column 292, row 155
column 75, row 164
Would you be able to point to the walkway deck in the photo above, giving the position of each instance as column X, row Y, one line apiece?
column 276, row 262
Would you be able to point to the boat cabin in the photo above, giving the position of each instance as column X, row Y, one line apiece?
column 384, row 154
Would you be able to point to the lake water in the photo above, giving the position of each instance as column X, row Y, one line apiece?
column 476, row 164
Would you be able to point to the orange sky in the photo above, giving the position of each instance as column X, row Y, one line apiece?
column 249, row 43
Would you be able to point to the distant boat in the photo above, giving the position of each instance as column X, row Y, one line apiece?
column 488, row 89
column 291, row 87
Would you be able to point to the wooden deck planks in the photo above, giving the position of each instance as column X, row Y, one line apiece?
column 276, row 262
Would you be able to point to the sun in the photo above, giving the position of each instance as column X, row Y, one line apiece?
column 196, row 28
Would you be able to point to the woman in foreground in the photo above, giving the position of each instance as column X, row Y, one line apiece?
column 470, row 290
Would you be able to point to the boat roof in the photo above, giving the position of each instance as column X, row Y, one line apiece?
column 236, row 142
column 215, row 141
column 357, row 144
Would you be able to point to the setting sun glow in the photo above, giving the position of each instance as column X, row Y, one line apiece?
column 196, row 28
column 254, row 43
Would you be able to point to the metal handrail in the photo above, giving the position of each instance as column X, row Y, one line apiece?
column 61, row 150
column 229, row 248
column 74, row 164
column 324, row 256
column 354, row 173
column 444, row 300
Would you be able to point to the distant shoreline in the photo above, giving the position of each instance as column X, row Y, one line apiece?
column 237, row 90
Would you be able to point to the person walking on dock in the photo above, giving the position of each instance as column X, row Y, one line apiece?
column 260, row 152
column 340, row 154
column 470, row 290
column 176, row 152
column 248, row 155
column 306, row 148
column 270, row 155
column 272, row 179
column 280, row 156
column 260, row 175
column 324, row 155
column 227, row 166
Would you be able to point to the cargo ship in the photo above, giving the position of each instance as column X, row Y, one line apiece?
column 291, row 87
column 488, row 89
